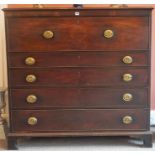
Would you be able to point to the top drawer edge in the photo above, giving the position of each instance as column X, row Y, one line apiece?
column 30, row 12
column 79, row 51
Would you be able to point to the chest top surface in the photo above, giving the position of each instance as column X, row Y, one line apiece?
column 21, row 12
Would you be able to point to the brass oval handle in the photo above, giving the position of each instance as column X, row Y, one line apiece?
column 127, row 97
column 30, row 61
column 31, row 98
column 127, row 119
column 127, row 77
column 48, row 34
column 127, row 60
column 32, row 120
column 31, row 78
column 108, row 34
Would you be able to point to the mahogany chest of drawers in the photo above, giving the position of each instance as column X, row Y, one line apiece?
column 78, row 72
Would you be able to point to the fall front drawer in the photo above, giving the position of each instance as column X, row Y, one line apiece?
column 81, row 33
column 79, row 77
column 44, row 98
column 79, row 120
column 74, row 59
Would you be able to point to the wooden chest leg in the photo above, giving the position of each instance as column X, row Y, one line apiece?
column 12, row 143
column 147, row 140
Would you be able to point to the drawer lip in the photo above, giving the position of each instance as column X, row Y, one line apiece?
column 85, row 120
column 88, row 98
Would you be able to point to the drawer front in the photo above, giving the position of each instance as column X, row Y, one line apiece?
column 78, row 98
column 79, row 77
column 79, row 120
column 68, row 59
column 84, row 33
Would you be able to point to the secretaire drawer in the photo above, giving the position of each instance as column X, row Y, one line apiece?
column 79, row 77
column 79, row 120
column 68, row 59
column 77, row 33
column 44, row 98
